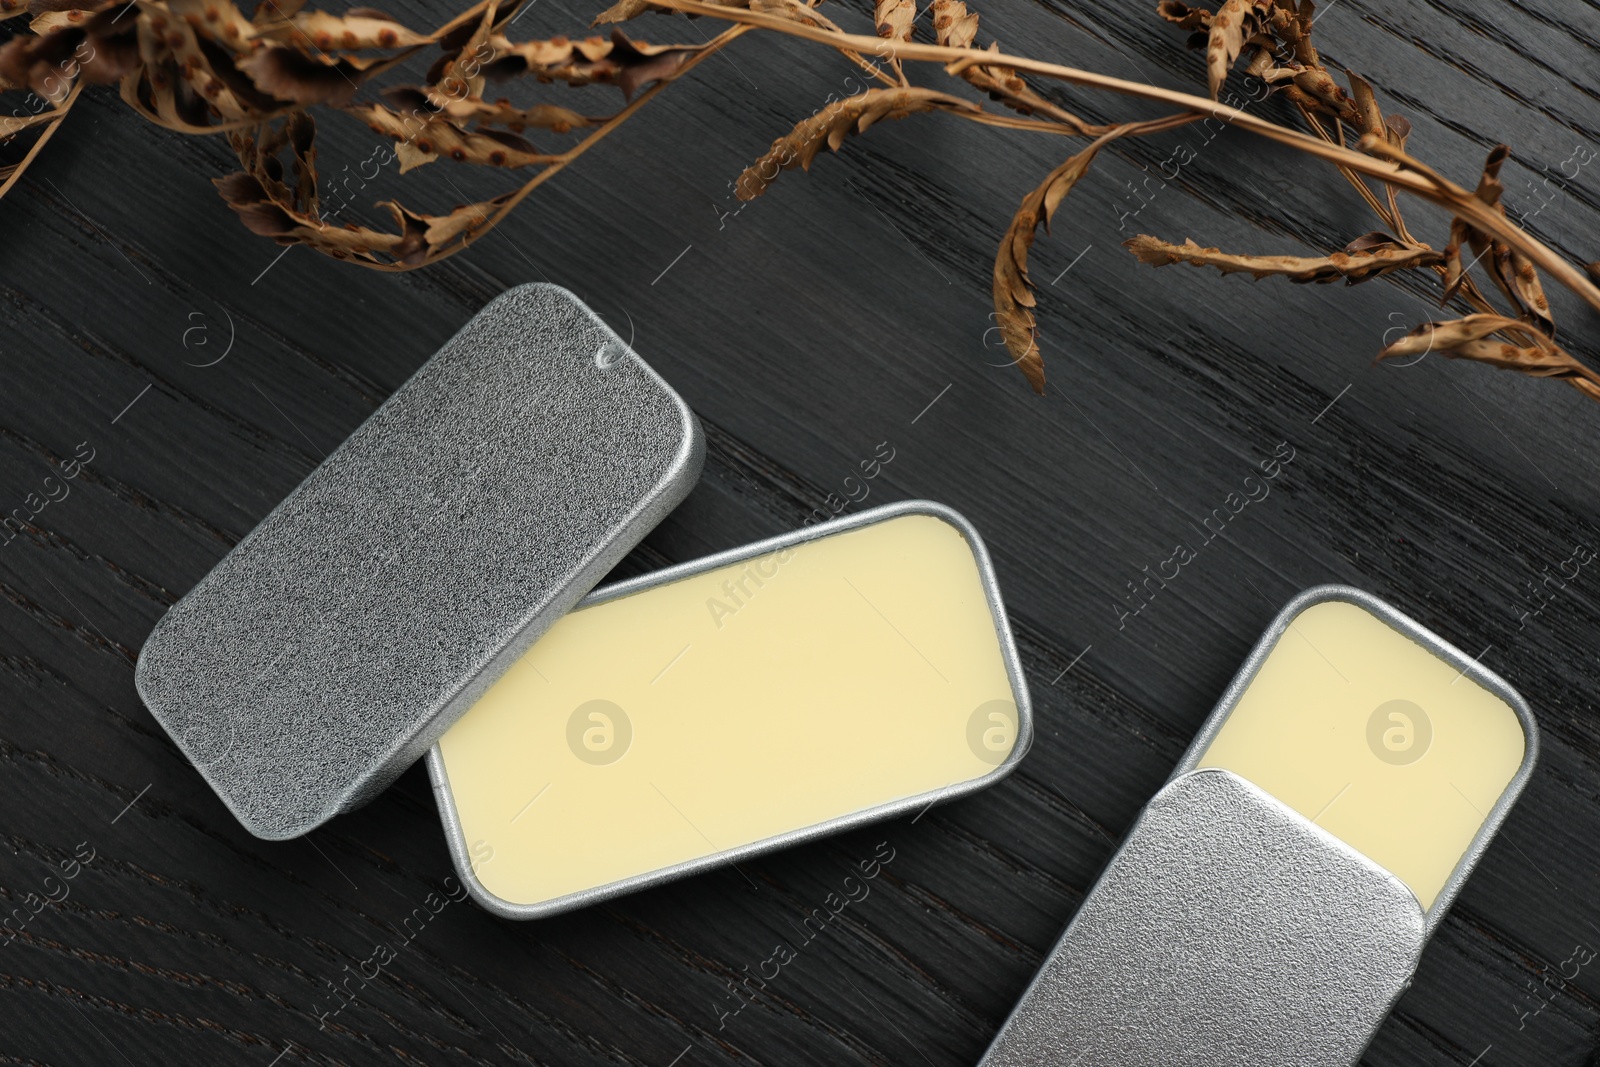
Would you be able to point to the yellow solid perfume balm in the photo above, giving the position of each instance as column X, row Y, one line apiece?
column 1373, row 737
column 760, row 697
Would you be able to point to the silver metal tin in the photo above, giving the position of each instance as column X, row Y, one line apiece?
column 1429, row 640
column 340, row 638
column 1229, row 929
column 460, row 853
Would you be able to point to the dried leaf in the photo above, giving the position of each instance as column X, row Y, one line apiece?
column 171, row 99
column 359, row 29
column 1516, row 275
column 289, row 215
column 1013, row 289
column 176, row 62
column 619, row 61
column 1366, row 104
column 795, row 11
column 459, row 72
column 290, row 74
column 269, row 11
column 1512, row 273
column 1318, row 85
column 502, row 113
column 955, row 27
column 49, row 21
column 217, row 20
column 1454, row 273
column 1529, row 352
column 411, row 156
column 440, row 232
column 264, row 215
column 1369, row 257
column 622, row 11
column 1234, row 21
column 893, row 19
column 95, row 50
column 1396, row 129
column 1193, row 19
column 416, row 124
column 208, row 71
column 1443, row 336
column 833, row 124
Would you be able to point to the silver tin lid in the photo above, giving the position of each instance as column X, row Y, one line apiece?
column 335, row 643
column 1228, row 930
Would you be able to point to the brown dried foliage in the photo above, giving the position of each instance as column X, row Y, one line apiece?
column 833, row 124
column 1368, row 256
column 203, row 67
column 282, row 204
column 1345, row 126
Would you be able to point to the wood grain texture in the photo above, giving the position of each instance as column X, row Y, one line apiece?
column 813, row 324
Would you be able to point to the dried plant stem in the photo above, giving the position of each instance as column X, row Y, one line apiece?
column 1411, row 176
column 1390, row 216
column 1390, row 213
column 57, row 116
column 212, row 69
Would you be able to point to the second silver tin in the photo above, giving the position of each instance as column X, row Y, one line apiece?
column 1246, row 918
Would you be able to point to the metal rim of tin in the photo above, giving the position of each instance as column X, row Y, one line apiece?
column 1435, row 644
column 455, row 835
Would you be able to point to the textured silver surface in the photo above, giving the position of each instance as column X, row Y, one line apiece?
column 335, row 643
column 462, row 857
column 1228, row 930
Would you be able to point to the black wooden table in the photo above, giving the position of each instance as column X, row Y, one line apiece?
column 846, row 308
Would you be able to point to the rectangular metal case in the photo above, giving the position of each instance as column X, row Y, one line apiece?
column 1230, row 930
column 463, row 854
column 335, row 643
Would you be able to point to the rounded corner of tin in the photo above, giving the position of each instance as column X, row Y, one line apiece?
column 691, row 457
column 499, row 906
column 1469, row 666
column 1004, row 769
column 1530, row 731
column 143, row 684
column 923, row 506
column 460, row 856
column 946, row 514
column 286, row 831
column 1020, row 692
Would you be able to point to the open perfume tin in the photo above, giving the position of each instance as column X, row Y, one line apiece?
column 865, row 670
column 1259, row 911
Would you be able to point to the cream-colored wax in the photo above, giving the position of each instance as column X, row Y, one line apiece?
column 757, row 699
column 1376, row 739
